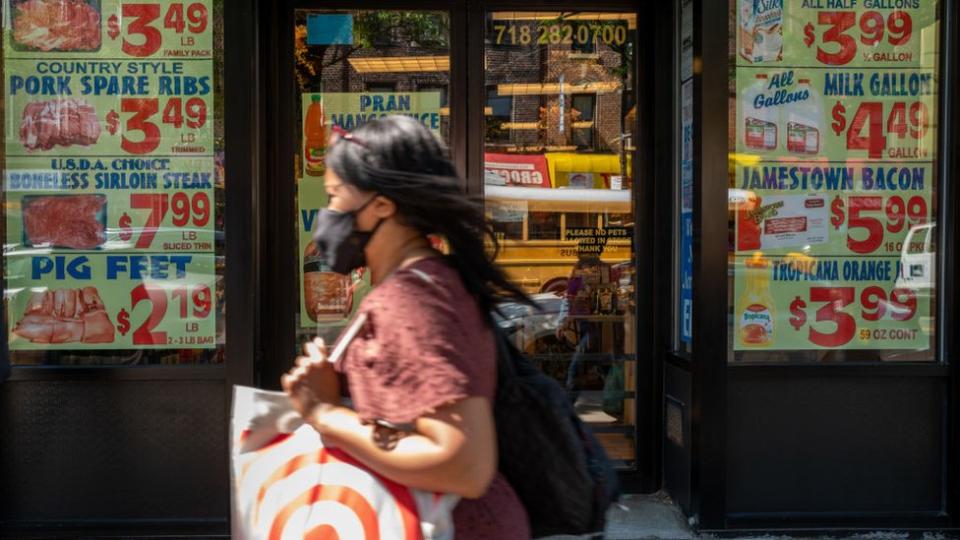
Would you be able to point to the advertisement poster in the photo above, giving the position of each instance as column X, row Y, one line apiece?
column 834, row 186
column 326, row 296
column 110, row 174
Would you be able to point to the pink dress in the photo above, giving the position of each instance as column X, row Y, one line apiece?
column 425, row 345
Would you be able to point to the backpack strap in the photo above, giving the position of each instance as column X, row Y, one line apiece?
column 505, row 367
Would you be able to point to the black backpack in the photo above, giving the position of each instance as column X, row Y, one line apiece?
column 551, row 459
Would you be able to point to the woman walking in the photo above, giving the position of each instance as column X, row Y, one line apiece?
column 421, row 369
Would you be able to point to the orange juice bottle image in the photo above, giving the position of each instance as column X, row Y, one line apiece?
column 314, row 138
column 755, row 307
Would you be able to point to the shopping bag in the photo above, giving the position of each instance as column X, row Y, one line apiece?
column 287, row 485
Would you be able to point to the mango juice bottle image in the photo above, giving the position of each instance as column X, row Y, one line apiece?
column 314, row 138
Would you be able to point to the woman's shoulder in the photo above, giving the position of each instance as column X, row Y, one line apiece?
column 427, row 297
column 427, row 282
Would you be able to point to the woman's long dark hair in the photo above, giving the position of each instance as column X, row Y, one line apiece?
column 400, row 159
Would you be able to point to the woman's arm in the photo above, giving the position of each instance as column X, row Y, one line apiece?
column 452, row 450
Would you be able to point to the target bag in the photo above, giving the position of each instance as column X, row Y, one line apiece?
column 287, row 485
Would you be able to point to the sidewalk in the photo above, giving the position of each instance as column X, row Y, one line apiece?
column 654, row 517
column 644, row 517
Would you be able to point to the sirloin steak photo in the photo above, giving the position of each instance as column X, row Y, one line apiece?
column 64, row 221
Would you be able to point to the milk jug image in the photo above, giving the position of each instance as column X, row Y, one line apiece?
column 803, row 122
column 760, row 129
column 761, row 30
column 755, row 307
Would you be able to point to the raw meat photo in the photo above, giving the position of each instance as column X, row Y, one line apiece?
column 66, row 316
column 56, row 25
column 64, row 221
column 64, row 122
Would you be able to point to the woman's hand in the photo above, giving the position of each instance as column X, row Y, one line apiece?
column 313, row 381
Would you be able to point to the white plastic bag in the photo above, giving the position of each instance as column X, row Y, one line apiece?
column 286, row 485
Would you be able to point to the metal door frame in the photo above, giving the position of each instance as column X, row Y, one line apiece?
column 466, row 142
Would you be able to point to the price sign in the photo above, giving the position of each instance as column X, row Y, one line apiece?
column 823, row 34
column 807, row 114
column 838, row 36
column 180, row 212
column 111, row 121
column 190, row 304
column 147, row 29
column 158, row 205
column 875, row 123
column 836, row 141
column 113, row 301
column 110, row 174
column 142, row 129
column 876, row 223
column 829, row 303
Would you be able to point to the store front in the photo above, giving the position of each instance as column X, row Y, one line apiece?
column 833, row 334
column 731, row 231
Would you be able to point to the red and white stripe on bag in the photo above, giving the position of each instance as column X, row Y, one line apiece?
column 287, row 485
column 283, row 492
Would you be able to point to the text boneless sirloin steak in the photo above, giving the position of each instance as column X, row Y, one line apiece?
column 63, row 121
column 69, row 221
column 66, row 316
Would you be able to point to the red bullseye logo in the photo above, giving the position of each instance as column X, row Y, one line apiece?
column 285, row 493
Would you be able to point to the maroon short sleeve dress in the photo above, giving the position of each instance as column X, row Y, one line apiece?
column 425, row 344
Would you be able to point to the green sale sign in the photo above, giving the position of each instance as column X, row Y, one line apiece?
column 112, row 301
column 834, row 174
column 328, row 298
column 110, row 174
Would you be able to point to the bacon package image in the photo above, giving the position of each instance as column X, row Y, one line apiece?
column 56, row 25
column 66, row 316
column 286, row 484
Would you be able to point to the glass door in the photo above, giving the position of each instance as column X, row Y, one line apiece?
column 560, row 116
column 352, row 66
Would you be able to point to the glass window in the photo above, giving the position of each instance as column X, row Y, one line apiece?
column 114, row 185
column 351, row 66
column 833, row 182
column 558, row 185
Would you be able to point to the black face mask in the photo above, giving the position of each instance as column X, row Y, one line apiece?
column 339, row 241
